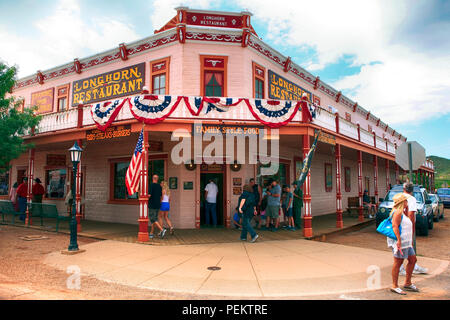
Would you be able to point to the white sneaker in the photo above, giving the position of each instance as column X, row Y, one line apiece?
column 419, row 270
column 370, row 216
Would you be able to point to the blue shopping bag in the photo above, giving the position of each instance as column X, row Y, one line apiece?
column 385, row 227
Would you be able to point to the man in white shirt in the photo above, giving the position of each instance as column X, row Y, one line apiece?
column 211, row 192
column 408, row 190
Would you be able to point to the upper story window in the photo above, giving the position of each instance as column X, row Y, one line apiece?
column 258, row 81
column 160, row 76
column 213, row 76
column 62, row 93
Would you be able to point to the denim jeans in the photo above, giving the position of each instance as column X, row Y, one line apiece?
column 247, row 227
column 210, row 208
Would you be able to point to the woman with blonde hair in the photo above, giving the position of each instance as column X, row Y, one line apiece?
column 402, row 248
column 165, row 206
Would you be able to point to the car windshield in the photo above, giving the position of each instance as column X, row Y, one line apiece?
column 433, row 198
column 392, row 193
column 444, row 192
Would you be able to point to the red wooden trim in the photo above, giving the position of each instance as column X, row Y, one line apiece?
column 203, row 69
column 255, row 76
column 328, row 189
column 155, row 73
column 349, row 188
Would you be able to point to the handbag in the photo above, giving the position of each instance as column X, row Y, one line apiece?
column 385, row 227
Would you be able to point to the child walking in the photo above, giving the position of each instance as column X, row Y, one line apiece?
column 288, row 205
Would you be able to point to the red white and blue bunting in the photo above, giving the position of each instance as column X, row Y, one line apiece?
column 105, row 113
column 197, row 105
column 152, row 109
column 273, row 113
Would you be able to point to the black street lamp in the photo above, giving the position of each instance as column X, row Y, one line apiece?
column 75, row 156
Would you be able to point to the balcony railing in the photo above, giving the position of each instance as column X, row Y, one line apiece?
column 81, row 116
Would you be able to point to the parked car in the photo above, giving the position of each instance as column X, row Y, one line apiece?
column 424, row 213
column 438, row 206
column 444, row 194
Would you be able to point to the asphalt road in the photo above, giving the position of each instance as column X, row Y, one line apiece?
column 24, row 276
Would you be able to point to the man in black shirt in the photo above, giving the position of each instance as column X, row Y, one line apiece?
column 154, row 204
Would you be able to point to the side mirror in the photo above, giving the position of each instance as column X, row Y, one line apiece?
column 427, row 201
column 381, row 199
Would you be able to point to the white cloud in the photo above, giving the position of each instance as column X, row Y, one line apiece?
column 404, row 86
column 61, row 37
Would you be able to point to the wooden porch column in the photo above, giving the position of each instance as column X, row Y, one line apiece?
column 375, row 178
column 78, row 192
column 28, row 217
column 307, row 217
column 360, row 187
column 143, row 194
column 388, row 182
column 339, row 220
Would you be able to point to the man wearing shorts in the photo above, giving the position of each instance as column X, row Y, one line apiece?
column 273, row 205
column 154, row 204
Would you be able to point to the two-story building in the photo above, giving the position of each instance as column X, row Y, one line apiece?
column 200, row 54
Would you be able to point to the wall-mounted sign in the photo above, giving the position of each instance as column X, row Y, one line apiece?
column 110, row 133
column 212, row 167
column 109, row 85
column 56, row 160
column 237, row 181
column 173, row 183
column 188, row 185
column 326, row 138
column 226, row 129
column 44, row 100
column 237, row 191
column 283, row 89
column 214, row 20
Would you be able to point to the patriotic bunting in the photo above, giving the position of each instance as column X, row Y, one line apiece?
column 196, row 105
column 106, row 112
column 152, row 109
column 273, row 113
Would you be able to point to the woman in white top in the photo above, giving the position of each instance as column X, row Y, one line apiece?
column 165, row 206
column 403, row 247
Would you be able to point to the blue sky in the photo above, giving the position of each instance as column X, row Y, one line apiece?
column 392, row 57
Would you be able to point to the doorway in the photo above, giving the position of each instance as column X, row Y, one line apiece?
column 205, row 177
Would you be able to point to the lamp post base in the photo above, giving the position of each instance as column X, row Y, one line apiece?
column 72, row 252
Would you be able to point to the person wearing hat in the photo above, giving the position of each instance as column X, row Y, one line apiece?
column 402, row 248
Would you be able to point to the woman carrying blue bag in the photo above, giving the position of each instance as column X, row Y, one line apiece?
column 403, row 247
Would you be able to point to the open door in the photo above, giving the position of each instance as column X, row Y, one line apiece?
column 218, row 177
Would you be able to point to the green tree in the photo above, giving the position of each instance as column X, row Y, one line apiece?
column 14, row 123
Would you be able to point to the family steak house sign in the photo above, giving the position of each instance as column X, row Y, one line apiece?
column 283, row 89
column 110, row 85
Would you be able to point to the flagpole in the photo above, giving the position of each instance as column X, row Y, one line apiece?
column 143, row 192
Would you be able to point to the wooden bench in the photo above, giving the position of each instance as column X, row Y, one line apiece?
column 46, row 210
column 353, row 205
column 7, row 207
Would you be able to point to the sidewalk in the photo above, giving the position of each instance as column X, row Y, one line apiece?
column 322, row 225
column 266, row 269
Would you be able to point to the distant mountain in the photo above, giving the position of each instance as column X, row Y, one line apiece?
column 442, row 167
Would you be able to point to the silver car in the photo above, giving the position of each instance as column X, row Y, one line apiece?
column 438, row 206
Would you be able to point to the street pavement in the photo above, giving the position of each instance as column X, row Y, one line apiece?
column 268, row 269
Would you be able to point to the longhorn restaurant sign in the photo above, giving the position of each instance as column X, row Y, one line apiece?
column 109, row 85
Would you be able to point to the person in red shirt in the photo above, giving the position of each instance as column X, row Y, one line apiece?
column 38, row 192
column 22, row 198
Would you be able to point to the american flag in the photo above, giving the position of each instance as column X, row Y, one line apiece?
column 134, row 170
